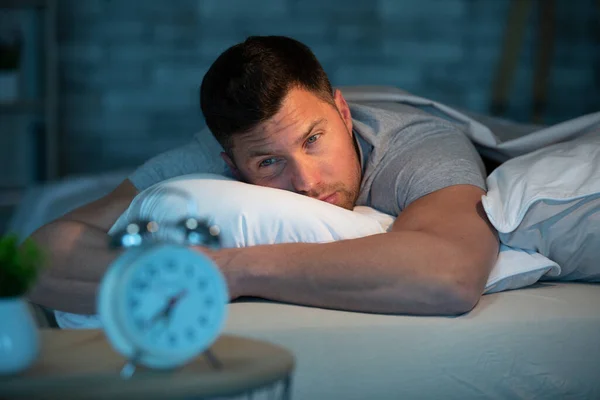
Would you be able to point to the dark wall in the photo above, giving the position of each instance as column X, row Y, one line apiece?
column 130, row 70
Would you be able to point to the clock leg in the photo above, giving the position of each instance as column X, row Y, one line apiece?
column 129, row 368
column 212, row 359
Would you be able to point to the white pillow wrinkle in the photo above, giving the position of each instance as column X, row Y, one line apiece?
column 548, row 201
column 561, row 172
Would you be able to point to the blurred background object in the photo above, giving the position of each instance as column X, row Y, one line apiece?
column 128, row 72
column 28, row 98
column 11, row 47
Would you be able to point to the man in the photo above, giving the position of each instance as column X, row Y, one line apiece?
column 272, row 108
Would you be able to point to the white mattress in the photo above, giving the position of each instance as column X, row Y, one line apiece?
column 542, row 342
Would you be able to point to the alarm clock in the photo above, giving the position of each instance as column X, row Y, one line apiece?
column 162, row 303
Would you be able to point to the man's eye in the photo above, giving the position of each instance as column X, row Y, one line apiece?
column 267, row 162
column 313, row 138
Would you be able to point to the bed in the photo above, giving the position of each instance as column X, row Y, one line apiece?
column 541, row 341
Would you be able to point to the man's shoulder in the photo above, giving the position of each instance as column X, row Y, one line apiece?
column 200, row 155
column 408, row 152
column 390, row 110
column 385, row 119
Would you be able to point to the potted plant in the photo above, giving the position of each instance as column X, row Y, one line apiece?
column 20, row 265
column 11, row 48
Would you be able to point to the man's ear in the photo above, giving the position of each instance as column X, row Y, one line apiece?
column 343, row 109
column 234, row 171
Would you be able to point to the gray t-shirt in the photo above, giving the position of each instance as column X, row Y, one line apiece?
column 406, row 153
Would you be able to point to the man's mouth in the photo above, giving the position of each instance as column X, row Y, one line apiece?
column 329, row 198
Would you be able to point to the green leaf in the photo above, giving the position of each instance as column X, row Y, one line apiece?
column 20, row 265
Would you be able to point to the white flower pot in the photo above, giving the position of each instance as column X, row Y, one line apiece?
column 19, row 336
column 9, row 86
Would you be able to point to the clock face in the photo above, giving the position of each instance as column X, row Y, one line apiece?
column 169, row 303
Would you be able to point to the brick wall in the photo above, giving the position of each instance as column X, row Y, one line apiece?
column 130, row 70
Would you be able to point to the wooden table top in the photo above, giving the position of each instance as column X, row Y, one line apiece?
column 81, row 363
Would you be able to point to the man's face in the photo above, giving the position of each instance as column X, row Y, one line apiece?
column 306, row 148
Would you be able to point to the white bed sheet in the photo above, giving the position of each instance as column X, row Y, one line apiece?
column 541, row 342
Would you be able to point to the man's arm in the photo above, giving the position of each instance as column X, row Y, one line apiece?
column 435, row 261
column 76, row 247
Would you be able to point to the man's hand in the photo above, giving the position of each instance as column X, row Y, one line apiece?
column 436, row 260
column 78, row 253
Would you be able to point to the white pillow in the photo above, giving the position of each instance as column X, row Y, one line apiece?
column 548, row 201
column 247, row 215
column 250, row 215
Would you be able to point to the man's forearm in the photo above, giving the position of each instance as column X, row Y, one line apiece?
column 396, row 272
column 76, row 256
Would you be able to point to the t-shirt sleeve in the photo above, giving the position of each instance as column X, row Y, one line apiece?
column 193, row 157
column 424, row 157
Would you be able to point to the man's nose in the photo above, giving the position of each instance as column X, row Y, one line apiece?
column 305, row 177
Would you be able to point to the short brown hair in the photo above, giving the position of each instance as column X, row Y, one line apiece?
column 247, row 83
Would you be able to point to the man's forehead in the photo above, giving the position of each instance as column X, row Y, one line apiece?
column 298, row 107
column 289, row 123
column 299, row 113
column 281, row 135
column 282, row 121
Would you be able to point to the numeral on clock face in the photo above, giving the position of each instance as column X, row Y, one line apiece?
column 134, row 303
column 151, row 269
column 171, row 265
column 190, row 333
column 140, row 285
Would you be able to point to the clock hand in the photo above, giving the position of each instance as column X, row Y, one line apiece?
column 173, row 301
column 165, row 312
